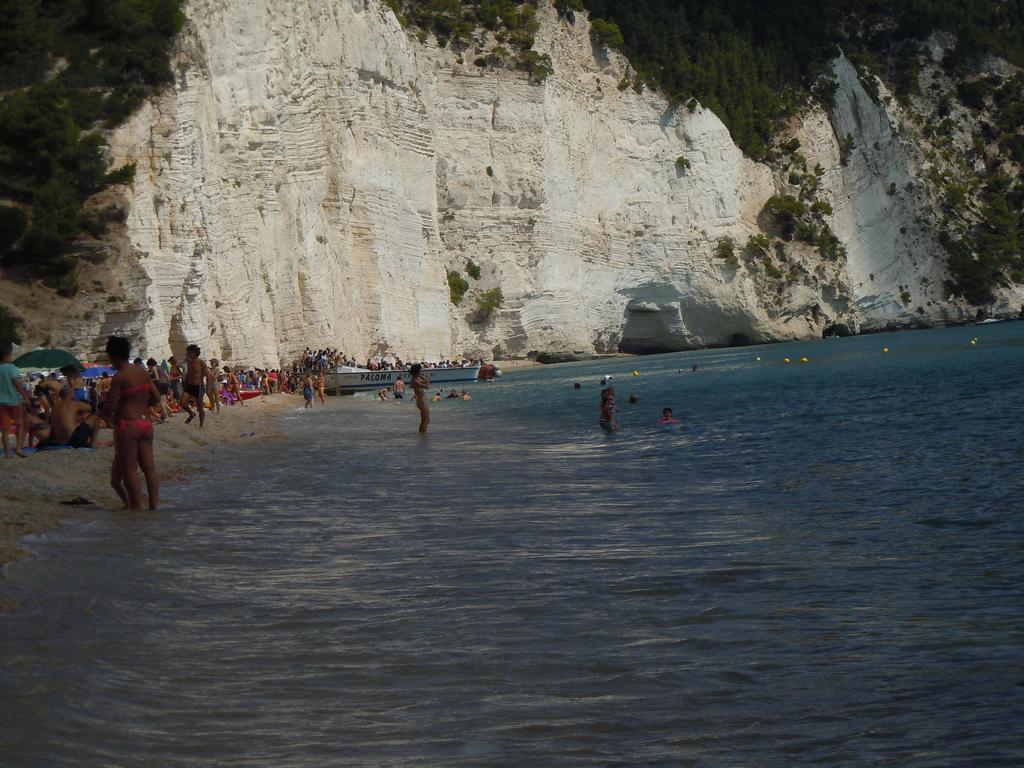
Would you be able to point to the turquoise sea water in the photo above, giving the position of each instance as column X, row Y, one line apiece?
column 823, row 566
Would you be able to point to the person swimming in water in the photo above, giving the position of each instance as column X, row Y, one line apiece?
column 667, row 417
column 607, row 417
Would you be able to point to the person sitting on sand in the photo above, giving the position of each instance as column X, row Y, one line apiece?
column 41, row 403
column 667, row 417
column 37, row 428
column 132, row 393
column 196, row 374
column 76, row 382
column 51, row 389
column 13, row 398
column 72, row 422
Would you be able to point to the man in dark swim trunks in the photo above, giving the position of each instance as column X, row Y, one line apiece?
column 196, row 374
column 72, row 423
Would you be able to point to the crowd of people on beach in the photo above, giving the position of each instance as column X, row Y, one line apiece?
column 69, row 408
column 64, row 409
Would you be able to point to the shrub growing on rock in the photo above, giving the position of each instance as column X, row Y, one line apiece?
column 726, row 250
column 606, row 34
column 786, row 211
column 487, row 303
column 457, row 287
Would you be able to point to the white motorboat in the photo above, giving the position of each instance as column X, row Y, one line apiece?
column 345, row 380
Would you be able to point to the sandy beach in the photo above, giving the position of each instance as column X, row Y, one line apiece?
column 510, row 365
column 32, row 489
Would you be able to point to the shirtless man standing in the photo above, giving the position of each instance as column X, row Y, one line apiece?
column 196, row 374
column 420, row 382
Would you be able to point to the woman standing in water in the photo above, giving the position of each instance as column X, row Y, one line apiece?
column 132, row 393
column 419, row 392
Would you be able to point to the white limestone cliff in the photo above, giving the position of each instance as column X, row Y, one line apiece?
column 315, row 170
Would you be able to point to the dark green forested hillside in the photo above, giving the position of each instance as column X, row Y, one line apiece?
column 751, row 61
column 69, row 68
column 747, row 61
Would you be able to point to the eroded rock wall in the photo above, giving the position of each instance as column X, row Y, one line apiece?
column 315, row 171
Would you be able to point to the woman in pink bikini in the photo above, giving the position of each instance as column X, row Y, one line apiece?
column 131, row 394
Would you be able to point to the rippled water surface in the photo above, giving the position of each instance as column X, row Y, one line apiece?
column 824, row 566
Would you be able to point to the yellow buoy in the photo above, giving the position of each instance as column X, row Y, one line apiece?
column 804, row 360
column 885, row 349
column 785, row 360
column 974, row 342
column 636, row 373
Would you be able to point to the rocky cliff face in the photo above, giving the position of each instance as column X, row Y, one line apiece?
column 316, row 170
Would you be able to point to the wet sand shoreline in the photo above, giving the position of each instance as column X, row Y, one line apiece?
column 32, row 489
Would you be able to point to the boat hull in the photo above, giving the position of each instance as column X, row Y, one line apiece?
column 347, row 382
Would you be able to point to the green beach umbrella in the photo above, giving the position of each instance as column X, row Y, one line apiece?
column 47, row 359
